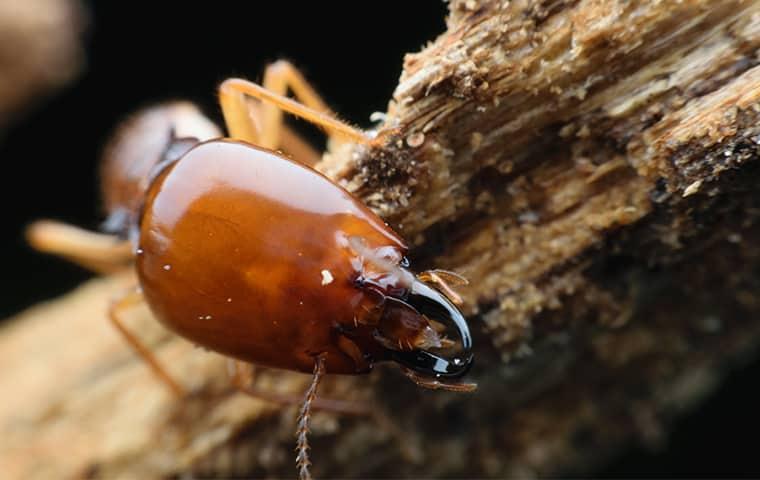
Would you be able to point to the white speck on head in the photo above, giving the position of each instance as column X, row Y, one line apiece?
column 301, row 302
column 167, row 267
column 208, row 317
column 139, row 251
column 327, row 277
column 229, row 299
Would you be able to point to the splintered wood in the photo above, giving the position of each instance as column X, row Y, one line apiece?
column 590, row 167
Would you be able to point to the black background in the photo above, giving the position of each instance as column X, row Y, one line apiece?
column 140, row 53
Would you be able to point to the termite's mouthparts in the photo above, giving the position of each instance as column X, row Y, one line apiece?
column 435, row 305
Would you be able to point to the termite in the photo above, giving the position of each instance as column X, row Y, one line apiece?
column 256, row 256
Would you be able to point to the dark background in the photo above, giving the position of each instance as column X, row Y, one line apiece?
column 138, row 54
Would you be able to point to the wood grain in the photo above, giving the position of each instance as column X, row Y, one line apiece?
column 590, row 166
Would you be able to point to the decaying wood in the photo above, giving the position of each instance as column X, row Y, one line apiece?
column 589, row 165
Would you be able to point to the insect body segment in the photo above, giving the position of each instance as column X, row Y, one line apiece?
column 154, row 136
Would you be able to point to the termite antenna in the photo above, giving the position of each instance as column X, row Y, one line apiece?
column 302, row 431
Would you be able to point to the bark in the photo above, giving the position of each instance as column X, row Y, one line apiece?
column 588, row 165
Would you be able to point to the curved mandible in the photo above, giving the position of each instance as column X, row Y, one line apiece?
column 435, row 305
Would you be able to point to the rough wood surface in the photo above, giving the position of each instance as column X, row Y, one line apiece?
column 589, row 165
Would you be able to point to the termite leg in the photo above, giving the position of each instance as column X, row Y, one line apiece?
column 240, row 118
column 245, row 121
column 98, row 252
column 302, row 431
column 433, row 384
column 278, row 78
column 298, row 148
column 243, row 379
column 128, row 300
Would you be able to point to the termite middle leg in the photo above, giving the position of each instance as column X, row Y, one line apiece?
column 243, row 379
column 126, row 301
column 98, row 252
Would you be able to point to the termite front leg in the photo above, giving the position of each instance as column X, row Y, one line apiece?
column 126, row 301
column 98, row 252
